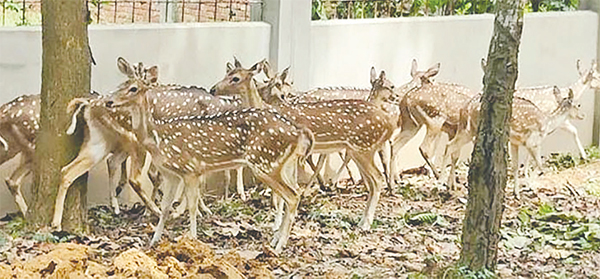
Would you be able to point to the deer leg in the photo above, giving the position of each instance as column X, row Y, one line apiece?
column 137, row 163
column 202, row 191
column 569, row 127
column 192, row 183
column 514, row 150
column 278, row 203
column 86, row 159
column 409, row 130
column 227, row 175
column 315, row 170
column 336, row 178
column 174, row 182
column 112, row 163
column 14, row 184
column 156, row 179
column 452, row 153
column 374, row 180
column 284, row 183
column 240, row 183
column 123, row 180
column 385, row 162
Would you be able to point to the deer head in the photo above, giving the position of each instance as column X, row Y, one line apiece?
column 419, row 78
column 238, row 82
column 382, row 88
column 568, row 105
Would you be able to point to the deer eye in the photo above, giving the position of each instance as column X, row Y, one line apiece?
column 236, row 79
column 133, row 89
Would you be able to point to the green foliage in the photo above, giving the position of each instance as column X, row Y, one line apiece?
column 333, row 219
column 342, row 9
column 15, row 14
column 425, row 218
column 233, row 208
column 463, row 272
column 16, row 227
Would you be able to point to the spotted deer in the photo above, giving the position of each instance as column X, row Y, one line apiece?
column 542, row 97
column 166, row 101
column 354, row 125
column 433, row 104
column 19, row 122
column 382, row 89
column 529, row 125
column 186, row 147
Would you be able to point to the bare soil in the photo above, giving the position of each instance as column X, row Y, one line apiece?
column 552, row 232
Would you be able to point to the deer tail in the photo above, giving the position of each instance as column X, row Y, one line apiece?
column 75, row 107
column 4, row 143
column 307, row 141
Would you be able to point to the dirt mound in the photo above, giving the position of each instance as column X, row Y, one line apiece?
column 189, row 256
column 5, row 271
column 186, row 250
column 66, row 260
column 134, row 263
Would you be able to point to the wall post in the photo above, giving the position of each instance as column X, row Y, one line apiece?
column 290, row 37
column 594, row 5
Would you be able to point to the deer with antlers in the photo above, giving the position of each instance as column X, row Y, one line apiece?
column 186, row 147
column 354, row 125
column 542, row 97
column 529, row 125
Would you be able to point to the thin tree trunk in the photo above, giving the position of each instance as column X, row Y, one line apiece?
column 487, row 173
column 65, row 75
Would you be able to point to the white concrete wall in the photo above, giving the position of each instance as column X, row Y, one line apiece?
column 191, row 54
column 342, row 52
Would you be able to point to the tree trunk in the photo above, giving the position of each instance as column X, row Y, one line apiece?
column 65, row 75
column 487, row 172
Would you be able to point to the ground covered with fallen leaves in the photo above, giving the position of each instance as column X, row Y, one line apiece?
column 552, row 232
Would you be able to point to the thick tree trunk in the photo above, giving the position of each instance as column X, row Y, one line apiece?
column 65, row 75
column 487, row 173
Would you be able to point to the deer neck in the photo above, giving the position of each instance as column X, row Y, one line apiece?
column 251, row 97
column 555, row 119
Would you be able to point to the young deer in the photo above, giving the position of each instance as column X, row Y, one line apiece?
column 528, row 127
column 433, row 104
column 186, row 147
column 354, row 125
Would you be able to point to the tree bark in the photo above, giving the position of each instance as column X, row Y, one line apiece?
column 487, row 172
column 65, row 75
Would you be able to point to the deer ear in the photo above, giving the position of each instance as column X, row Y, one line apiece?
column 579, row 70
column 284, row 74
column 229, row 67
column 557, row 94
column 382, row 75
column 571, row 95
column 413, row 68
column 236, row 62
column 267, row 69
column 125, row 67
column 373, row 75
column 256, row 68
column 433, row 71
column 153, row 74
